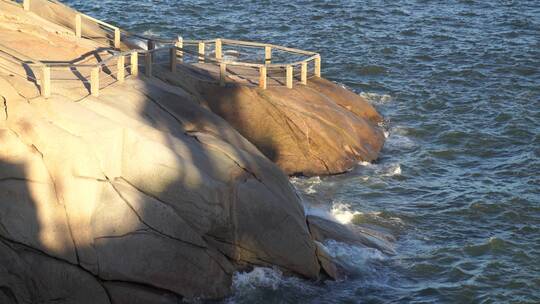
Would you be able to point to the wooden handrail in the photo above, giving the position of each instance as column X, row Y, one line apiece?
column 27, row 5
column 273, row 46
column 177, row 52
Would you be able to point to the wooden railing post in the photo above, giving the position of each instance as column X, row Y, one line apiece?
column 26, row 5
column 94, row 81
column 151, row 46
column 289, row 76
column 134, row 64
column 218, row 52
column 148, row 64
column 303, row 73
column 262, row 77
column 201, row 52
column 222, row 73
column 172, row 58
column 46, row 82
column 318, row 66
column 267, row 54
column 78, row 26
column 117, row 38
column 121, row 68
column 180, row 44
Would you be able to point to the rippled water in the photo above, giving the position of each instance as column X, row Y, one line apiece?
column 457, row 182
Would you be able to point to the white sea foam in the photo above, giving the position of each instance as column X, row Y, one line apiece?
column 379, row 170
column 319, row 212
column 397, row 141
column 269, row 279
column 342, row 212
column 231, row 55
column 149, row 33
column 307, row 185
column 396, row 138
column 258, row 277
column 392, row 170
column 365, row 164
column 376, row 98
column 352, row 256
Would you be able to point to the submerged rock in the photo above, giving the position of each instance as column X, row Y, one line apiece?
column 323, row 229
column 329, row 264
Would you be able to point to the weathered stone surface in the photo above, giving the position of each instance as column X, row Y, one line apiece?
column 169, row 198
column 328, row 264
column 323, row 229
column 316, row 129
column 29, row 276
column 345, row 98
column 128, row 293
column 308, row 130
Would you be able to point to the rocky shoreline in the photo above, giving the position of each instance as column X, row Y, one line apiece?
column 160, row 189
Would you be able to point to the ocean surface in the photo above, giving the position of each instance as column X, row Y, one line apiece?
column 457, row 183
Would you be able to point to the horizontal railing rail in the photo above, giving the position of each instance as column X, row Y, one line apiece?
column 288, row 68
column 283, row 73
column 110, row 33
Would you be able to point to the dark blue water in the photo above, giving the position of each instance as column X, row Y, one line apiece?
column 457, row 182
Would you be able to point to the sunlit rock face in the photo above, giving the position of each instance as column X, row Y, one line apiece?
column 315, row 129
column 147, row 188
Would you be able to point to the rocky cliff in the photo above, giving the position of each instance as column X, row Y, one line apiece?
column 316, row 129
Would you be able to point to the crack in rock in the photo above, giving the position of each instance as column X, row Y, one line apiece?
column 5, row 107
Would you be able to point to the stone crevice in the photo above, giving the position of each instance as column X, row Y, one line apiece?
column 263, row 262
column 160, row 200
column 148, row 225
column 5, row 107
column 10, row 243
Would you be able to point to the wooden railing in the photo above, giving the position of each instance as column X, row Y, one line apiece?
column 78, row 28
column 179, row 52
column 111, row 33
column 10, row 56
column 264, row 67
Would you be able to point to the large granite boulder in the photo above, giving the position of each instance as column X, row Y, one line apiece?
column 315, row 129
column 142, row 188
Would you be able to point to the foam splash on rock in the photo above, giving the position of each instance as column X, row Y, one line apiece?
column 379, row 170
column 343, row 213
column 265, row 279
column 375, row 98
column 393, row 170
column 354, row 257
column 258, row 277
column 307, row 185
